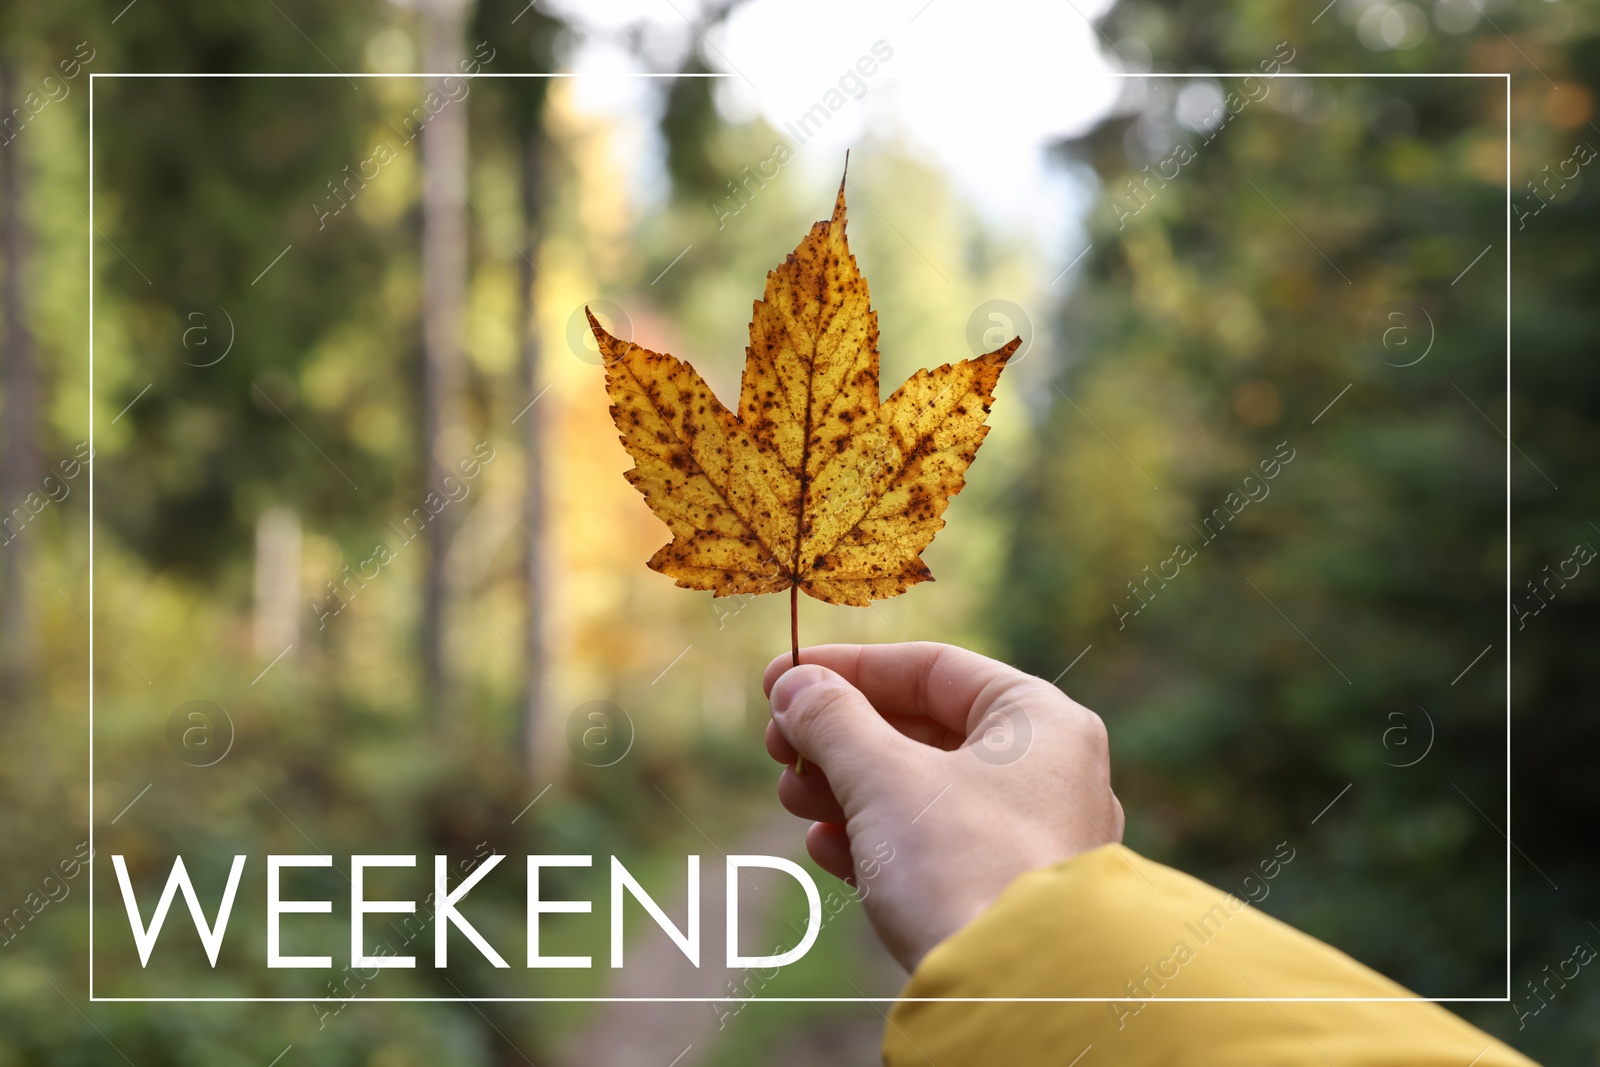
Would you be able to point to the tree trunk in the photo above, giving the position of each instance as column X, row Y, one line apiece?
column 19, row 465
column 533, row 445
column 276, row 622
column 444, row 283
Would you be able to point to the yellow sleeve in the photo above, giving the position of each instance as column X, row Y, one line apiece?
column 1132, row 935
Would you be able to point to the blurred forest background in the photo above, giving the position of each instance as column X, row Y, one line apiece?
column 314, row 299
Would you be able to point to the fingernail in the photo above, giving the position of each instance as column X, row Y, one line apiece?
column 792, row 683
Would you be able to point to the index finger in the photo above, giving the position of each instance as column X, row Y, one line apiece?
column 948, row 684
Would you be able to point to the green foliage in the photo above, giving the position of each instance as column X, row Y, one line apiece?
column 1220, row 313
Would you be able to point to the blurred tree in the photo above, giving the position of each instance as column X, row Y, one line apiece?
column 690, row 122
column 266, row 430
column 523, row 41
column 1233, row 291
column 444, row 287
column 20, row 490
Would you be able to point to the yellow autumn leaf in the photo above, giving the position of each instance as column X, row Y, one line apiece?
column 813, row 483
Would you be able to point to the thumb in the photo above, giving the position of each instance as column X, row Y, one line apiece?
column 831, row 724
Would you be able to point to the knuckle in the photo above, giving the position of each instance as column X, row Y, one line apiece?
column 1094, row 730
column 1082, row 728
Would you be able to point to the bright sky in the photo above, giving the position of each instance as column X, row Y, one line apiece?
column 965, row 83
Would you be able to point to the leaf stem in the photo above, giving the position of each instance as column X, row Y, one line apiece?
column 794, row 644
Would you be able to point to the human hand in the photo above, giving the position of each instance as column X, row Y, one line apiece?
column 910, row 798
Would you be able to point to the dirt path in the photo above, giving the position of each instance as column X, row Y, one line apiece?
column 681, row 1035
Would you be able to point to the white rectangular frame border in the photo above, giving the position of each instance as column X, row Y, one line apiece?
column 720, row 1000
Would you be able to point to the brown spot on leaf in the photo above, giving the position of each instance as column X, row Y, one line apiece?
column 753, row 520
